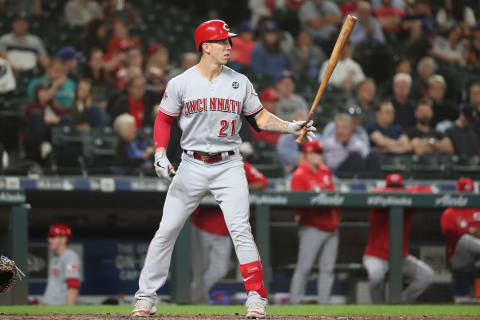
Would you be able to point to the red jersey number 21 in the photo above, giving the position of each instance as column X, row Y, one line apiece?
column 224, row 128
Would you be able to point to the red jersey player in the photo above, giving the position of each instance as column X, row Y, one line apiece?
column 211, row 244
column 377, row 253
column 318, row 226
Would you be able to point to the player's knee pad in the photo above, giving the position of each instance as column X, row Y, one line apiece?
column 252, row 274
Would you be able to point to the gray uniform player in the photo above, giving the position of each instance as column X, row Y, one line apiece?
column 63, row 271
column 208, row 100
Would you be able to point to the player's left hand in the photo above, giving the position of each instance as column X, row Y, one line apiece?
column 163, row 167
column 296, row 128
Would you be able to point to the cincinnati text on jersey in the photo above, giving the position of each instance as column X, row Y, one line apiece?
column 214, row 104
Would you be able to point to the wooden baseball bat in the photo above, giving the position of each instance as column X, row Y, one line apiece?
column 342, row 39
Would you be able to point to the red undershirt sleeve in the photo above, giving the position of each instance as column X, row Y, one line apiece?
column 161, row 130
column 73, row 283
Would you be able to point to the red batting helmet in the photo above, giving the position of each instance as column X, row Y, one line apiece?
column 212, row 30
column 465, row 185
column 394, row 180
column 60, row 230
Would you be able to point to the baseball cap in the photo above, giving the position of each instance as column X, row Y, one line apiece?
column 312, row 146
column 465, row 185
column 268, row 94
column 429, row 26
column 284, row 74
column 68, row 53
column 154, row 48
column 270, row 26
column 21, row 15
column 394, row 180
column 57, row 230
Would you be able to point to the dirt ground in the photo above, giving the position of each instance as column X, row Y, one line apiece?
column 222, row 317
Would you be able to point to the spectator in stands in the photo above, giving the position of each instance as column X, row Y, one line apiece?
column 121, row 38
column 347, row 155
column 423, row 137
column 269, row 99
column 359, row 132
column 347, row 74
column 133, row 63
column 288, row 103
column 404, row 107
column 268, row 57
column 465, row 142
column 211, row 243
column 474, row 100
column 365, row 99
column 81, row 12
column 305, row 58
column 33, row 7
column 112, row 9
column 137, row 102
column 243, row 45
column 96, row 71
column 473, row 56
column 63, row 281
column 83, row 113
column 412, row 20
column 318, row 232
column 348, row 6
column 132, row 154
column 321, row 19
column 158, row 60
column 21, row 49
column 367, row 28
column 377, row 252
column 461, row 229
column 70, row 57
column 455, row 12
column 62, row 88
column 387, row 136
column 189, row 59
column 96, row 37
column 425, row 69
column 452, row 48
column 389, row 17
column 7, row 79
column 40, row 116
column 400, row 4
column 419, row 47
column 443, row 109
column 402, row 64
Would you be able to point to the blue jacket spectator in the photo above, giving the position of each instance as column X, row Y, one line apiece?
column 267, row 56
column 367, row 28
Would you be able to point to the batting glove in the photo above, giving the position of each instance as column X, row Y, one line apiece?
column 163, row 167
column 296, row 127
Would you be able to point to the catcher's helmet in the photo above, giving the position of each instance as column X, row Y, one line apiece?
column 60, row 230
column 212, row 30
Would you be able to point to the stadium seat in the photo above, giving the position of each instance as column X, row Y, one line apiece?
column 100, row 150
column 427, row 167
column 69, row 149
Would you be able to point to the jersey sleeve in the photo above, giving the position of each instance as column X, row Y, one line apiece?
column 297, row 183
column 72, row 266
column 253, row 175
column 171, row 103
column 251, row 102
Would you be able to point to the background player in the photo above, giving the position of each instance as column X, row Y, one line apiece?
column 461, row 228
column 318, row 226
column 63, row 281
column 208, row 100
column 377, row 253
column 211, row 244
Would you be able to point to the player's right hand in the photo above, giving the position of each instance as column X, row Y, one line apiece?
column 163, row 167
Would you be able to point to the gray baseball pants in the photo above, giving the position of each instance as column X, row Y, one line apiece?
column 467, row 252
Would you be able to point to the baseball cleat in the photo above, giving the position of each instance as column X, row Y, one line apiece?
column 255, row 306
column 143, row 308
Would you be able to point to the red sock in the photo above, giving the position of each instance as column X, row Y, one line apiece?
column 252, row 274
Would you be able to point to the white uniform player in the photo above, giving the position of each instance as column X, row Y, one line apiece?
column 208, row 100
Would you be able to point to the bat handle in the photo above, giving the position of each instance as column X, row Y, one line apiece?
column 301, row 138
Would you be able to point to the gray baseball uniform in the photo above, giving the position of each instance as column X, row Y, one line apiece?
column 417, row 272
column 61, row 268
column 209, row 115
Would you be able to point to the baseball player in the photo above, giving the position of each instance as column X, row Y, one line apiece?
column 461, row 228
column 207, row 100
column 377, row 253
column 63, row 281
column 211, row 242
column 318, row 226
